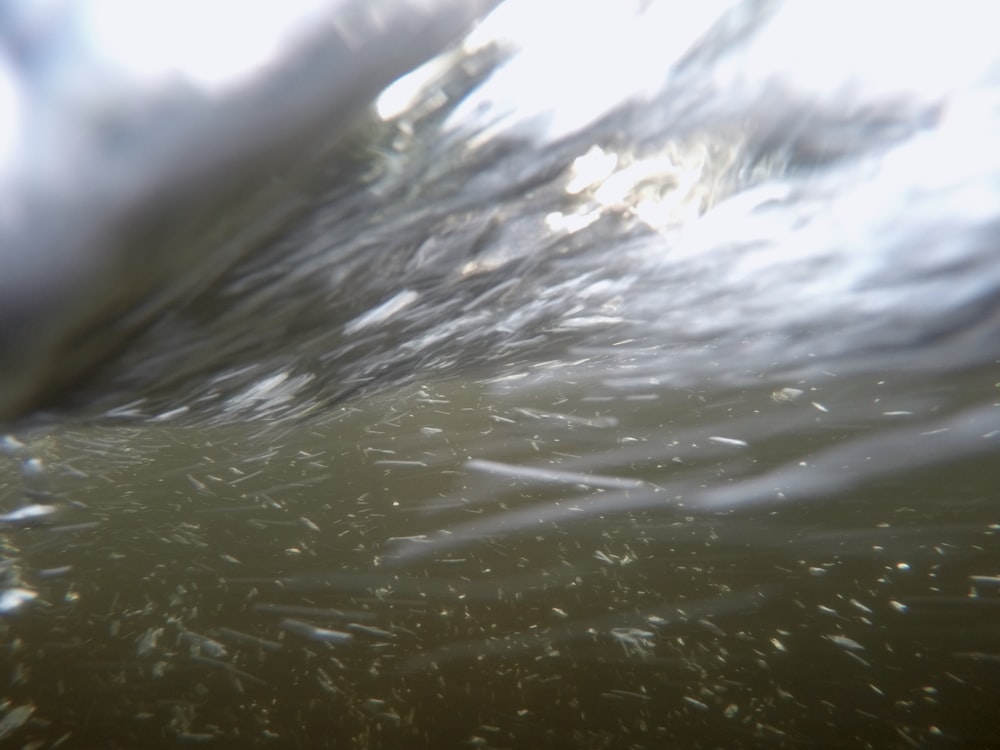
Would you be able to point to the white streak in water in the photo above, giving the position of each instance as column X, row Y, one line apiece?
column 383, row 312
column 314, row 633
column 729, row 441
column 551, row 476
column 27, row 513
column 13, row 599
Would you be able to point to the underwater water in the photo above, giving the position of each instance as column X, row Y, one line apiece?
column 587, row 406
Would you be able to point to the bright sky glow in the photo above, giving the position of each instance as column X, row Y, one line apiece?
column 215, row 44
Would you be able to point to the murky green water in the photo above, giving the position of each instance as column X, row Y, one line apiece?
column 466, row 563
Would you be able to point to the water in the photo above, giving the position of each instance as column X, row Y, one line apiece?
column 669, row 423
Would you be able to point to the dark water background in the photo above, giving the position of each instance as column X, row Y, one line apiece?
column 436, row 470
